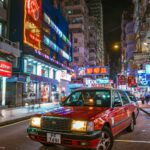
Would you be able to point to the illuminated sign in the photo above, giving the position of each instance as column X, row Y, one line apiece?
column 121, row 80
column 32, row 22
column 52, row 45
column 5, row 69
column 147, row 68
column 102, row 81
column 132, row 81
column 97, row 70
column 56, row 29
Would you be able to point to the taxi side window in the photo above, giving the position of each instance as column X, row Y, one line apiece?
column 124, row 98
column 116, row 97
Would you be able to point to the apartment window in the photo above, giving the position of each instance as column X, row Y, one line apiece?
column 76, row 59
column 77, row 11
column 76, row 49
column 69, row 12
column 75, row 40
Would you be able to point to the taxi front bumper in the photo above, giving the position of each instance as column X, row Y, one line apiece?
column 78, row 140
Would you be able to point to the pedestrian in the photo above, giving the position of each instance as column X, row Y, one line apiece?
column 147, row 96
column 142, row 98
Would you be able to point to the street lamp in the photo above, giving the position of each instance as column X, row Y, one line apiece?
column 116, row 46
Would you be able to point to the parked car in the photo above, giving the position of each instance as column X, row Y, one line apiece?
column 89, row 118
column 134, row 100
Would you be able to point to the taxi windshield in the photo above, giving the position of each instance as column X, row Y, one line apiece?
column 99, row 98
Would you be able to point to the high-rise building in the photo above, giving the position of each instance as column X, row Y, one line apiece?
column 96, row 10
column 9, row 54
column 93, row 57
column 77, row 14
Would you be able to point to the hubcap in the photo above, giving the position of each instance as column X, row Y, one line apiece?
column 104, row 141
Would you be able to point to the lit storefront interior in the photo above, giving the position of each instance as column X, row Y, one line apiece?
column 42, row 80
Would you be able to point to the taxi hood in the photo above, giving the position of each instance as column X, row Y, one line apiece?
column 76, row 112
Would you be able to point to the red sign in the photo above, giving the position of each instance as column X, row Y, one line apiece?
column 132, row 81
column 121, row 80
column 5, row 69
column 97, row 71
column 32, row 23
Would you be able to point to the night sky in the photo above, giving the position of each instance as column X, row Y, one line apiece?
column 112, row 10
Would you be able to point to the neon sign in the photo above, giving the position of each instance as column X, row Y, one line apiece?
column 32, row 31
column 57, row 30
column 5, row 69
column 52, row 45
column 97, row 70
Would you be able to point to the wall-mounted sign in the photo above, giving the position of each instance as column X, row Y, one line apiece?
column 32, row 23
column 5, row 69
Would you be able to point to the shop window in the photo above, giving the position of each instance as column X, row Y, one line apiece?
column 31, row 69
column 75, row 40
column 3, row 29
column 54, row 74
column 0, row 29
column 45, row 72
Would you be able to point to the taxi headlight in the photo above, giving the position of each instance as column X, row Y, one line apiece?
column 82, row 126
column 36, row 122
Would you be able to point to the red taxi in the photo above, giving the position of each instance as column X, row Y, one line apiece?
column 88, row 118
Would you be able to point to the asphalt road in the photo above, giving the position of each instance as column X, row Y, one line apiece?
column 14, row 137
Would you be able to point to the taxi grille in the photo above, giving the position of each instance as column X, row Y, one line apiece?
column 56, row 124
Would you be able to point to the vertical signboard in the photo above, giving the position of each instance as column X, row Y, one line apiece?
column 32, row 23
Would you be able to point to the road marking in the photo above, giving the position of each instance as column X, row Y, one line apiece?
column 13, row 123
column 132, row 141
column 2, row 147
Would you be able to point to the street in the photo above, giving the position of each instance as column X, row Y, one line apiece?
column 14, row 137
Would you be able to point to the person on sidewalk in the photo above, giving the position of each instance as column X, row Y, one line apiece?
column 147, row 97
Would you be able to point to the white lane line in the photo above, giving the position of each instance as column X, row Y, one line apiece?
column 13, row 123
column 2, row 147
column 132, row 141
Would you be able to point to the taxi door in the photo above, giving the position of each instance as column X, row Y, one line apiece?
column 117, row 115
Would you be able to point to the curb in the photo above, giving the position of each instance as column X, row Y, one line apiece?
column 8, row 122
column 145, row 111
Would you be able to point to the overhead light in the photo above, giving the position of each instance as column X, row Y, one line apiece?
column 145, row 43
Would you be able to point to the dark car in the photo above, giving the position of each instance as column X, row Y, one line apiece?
column 89, row 118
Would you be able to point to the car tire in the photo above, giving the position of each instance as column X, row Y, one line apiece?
column 107, row 139
column 130, row 128
column 46, row 144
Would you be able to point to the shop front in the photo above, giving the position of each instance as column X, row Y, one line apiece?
column 5, row 72
column 41, row 81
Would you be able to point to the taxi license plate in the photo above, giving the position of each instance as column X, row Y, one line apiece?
column 53, row 138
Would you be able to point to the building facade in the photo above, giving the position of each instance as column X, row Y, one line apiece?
column 43, row 35
column 9, row 54
column 77, row 14
column 96, row 10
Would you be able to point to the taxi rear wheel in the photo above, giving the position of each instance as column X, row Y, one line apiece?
column 130, row 128
column 106, row 139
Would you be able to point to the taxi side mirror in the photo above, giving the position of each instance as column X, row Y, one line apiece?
column 117, row 104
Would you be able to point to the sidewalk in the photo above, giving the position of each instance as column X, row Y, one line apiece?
column 12, row 115
column 145, row 108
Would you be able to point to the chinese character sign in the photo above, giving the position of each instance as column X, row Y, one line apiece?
column 97, row 70
column 132, row 81
column 32, row 23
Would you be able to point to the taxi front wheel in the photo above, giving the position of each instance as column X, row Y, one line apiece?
column 106, row 139
column 46, row 144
